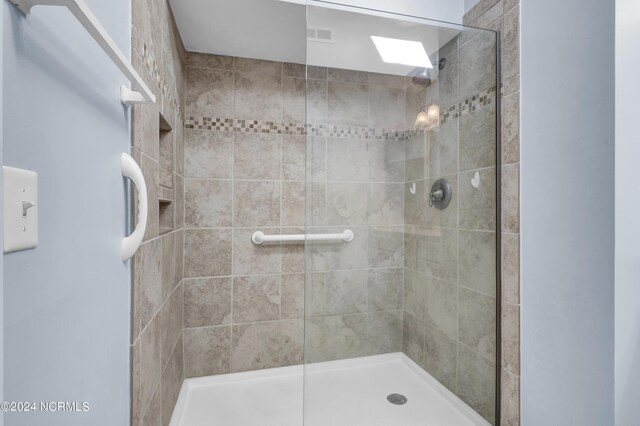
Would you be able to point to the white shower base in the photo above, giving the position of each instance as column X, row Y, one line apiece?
column 350, row 392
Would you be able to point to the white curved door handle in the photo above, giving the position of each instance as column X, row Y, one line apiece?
column 131, row 170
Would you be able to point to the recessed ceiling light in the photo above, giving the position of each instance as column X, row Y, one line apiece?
column 404, row 52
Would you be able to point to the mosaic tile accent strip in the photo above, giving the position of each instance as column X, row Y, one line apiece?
column 333, row 131
column 152, row 68
column 475, row 102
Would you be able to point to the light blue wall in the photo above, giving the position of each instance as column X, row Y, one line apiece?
column 627, row 214
column 67, row 303
column 567, row 196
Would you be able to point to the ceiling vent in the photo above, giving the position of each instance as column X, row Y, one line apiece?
column 324, row 35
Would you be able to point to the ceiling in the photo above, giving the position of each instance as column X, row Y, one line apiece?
column 276, row 30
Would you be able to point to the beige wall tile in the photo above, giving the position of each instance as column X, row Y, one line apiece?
column 201, row 60
column 511, row 198
column 207, row 301
column 171, row 383
column 477, row 64
column 386, row 160
column 510, row 406
column 344, row 159
column 386, row 203
column 415, row 294
column 293, row 207
column 207, row 252
column 478, row 138
column 293, row 108
column 170, row 323
column 336, row 337
column 386, row 246
column 323, row 257
column 207, row 351
column 511, row 268
column 258, row 91
column 441, row 307
column 348, row 103
column 148, row 263
column 476, row 382
column 413, row 337
column 257, row 156
column 292, row 303
column 440, row 254
column 346, row 203
column 388, row 80
column 384, row 332
column 208, row 154
column 208, row 203
column 209, row 93
column 294, row 70
column 250, row 259
column 293, row 157
column 150, row 362
column 477, row 261
column 511, row 43
column 385, row 287
column 153, row 415
column 477, row 322
column 511, row 337
column 511, row 128
column 415, row 204
column 256, row 203
column 293, row 255
column 478, row 206
column 347, row 76
column 256, row 298
column 168, row 265
column 386, row 107
column 256, row 346
column 346, row 292
column 440, row 357
column 442, row 157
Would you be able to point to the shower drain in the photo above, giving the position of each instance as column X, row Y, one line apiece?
column 397, row 399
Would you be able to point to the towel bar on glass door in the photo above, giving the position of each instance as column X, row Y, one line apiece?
column 258, row 237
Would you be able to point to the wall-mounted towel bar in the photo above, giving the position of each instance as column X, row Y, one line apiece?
column 258, row 237
column 140, row 93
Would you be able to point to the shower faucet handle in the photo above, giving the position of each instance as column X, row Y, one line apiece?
column 437, row 195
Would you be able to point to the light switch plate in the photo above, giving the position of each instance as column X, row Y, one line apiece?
column 20, row 209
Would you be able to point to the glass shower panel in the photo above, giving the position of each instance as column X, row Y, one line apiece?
column 401, row 150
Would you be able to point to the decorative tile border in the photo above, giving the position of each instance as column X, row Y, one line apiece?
column 152, row 68
column 475, row 102
column 471, row 104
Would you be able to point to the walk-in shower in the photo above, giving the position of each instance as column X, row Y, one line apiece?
column 340, row 225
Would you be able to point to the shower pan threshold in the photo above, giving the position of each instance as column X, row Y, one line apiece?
column 349, row 392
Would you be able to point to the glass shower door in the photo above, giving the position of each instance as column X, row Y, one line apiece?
column 401, row 150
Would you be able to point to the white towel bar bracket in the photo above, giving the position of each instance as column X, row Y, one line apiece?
column 141, row 92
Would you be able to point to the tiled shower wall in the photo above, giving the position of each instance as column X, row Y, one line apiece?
column 245, row 171
column 157, row 365
column 504, row 16
column 243, row 305
column 450, row 254
column 356, row 181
